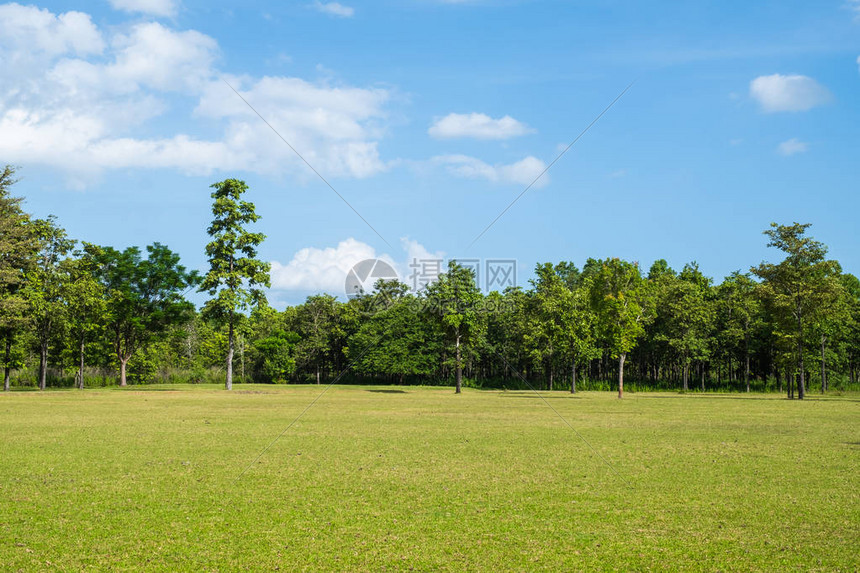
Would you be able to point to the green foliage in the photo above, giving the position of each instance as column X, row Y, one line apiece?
column 275, row 360
column 395, row 342
column 454, row 302
column 620, row 299
column 799, row 289
column 145, row 297
column 236, row 277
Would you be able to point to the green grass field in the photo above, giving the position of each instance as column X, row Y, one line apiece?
column 421, row 479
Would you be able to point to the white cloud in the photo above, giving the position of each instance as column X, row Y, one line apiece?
column 792, row 146
column 157, row 57
column 334, row 128
column 478, row 126
column 315, row 269
column 788, row 93
column 27, row 32
column 151, row 7
column 75, row 98
column 522, row 172
column 334, row 9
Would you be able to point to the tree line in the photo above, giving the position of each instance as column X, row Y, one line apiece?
column 83, row 314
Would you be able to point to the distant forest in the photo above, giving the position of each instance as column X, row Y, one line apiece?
column 80, row 314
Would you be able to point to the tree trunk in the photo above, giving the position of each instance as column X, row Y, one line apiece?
column 702, row 371
column 43, row 365
column 801, row 383
column 621, row 358
column 686, row 375
column 823, row 366
column 573, row 377
column 550, row 375
column 459, row 375
column 229, row 383
column 747, row 362
column 123, row 361
column 7, row 368
column 318, row 374
column 81, row 366
column 242, row 356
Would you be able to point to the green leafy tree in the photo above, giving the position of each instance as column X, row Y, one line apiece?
column 19, row 247
column 797, row 286
column 619, row 296
column 578, row 329
column 545, row 332
column 44, row 289
column 275, row 361
column 394, row 342
column 689, row 318
column 739, row 308
column 144, row 296
column 236, row 276
column 453, row 301
column 316, row 324
column 86, row 305
column 830, row 320
column 851, row 287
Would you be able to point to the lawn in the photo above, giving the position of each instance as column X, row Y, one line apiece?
column 421, row 479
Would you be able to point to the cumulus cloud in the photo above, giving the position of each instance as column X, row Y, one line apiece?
column 74, row 97
column 478, row 126
column 522, row 172
column 151, row 7
column 314, row 269
column 325, row 269
column 777, row 92
column 27, row 32
column 334, row 9
column 792, row 146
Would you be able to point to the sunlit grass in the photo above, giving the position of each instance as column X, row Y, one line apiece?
column 419, row 478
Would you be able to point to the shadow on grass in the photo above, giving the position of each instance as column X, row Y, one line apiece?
column 381, row 391
column 816, row 398
column 536, row 396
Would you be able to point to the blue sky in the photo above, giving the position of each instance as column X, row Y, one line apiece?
column 430, row 117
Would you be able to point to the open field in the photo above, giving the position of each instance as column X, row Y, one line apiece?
column 421, row 479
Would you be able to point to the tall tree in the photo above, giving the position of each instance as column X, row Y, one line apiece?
column 546, row 331
column 689, row 318
column 144, row 296
column 86, row 305
column 18, row 249
column 797, row 285
column 235, row 274
column 620, row 298
column 851, row 286
column 316, row 324
column 453, row 302
column 44, row 289
column 578, row 332
column 739, row 308
column 391, row 342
